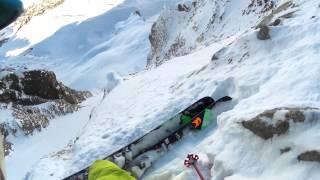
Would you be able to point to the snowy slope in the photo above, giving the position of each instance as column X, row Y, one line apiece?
column 260, row 75
column 106, row 41
column 60, row 132
column 248, row 70
column 80, row 49
column 179, row 31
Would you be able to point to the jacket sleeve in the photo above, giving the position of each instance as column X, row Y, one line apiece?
column 107, row 170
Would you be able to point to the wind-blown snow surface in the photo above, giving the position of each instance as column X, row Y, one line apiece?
column 259, row 75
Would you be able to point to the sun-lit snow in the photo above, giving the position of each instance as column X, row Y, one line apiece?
column 259, row 75
column 71, row 11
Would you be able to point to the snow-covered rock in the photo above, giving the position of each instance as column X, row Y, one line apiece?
column 187, row 26
column 33, row 98
column 36, row 9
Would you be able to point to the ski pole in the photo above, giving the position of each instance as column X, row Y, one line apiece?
column 191, row 161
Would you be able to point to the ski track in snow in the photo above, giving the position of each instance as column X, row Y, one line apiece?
column 280, row 72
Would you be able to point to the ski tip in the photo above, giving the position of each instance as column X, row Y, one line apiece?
column 224, row 99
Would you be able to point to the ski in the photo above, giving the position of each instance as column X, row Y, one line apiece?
column 138, row 156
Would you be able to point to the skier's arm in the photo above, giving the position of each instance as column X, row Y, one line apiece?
column 107, row 170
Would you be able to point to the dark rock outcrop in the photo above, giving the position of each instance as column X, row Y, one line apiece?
column 285, row 150
column 275, row 13
column 266, row 124
column 178, row 31
column 276, row 22
column 183, row 7
column 36, row 9
column 264, row 33
column 3, row 41
column 214, row 57
column 33, row 98
column 264, row 130
column 41, row 83
column 36, row 87
column 259, row 7
column 310, row 156
column 158, row 37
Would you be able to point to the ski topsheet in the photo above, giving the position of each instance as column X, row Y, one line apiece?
column 138, row 156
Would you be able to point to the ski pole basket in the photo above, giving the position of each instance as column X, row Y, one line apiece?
column 191, row 161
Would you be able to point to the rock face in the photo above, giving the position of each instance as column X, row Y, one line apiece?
column 277, row 14
column 177, row 32
column 263, row 33
column 189, row 25
column 285, row 150
column 36, row 87
column 41, row 83
column 266, row 5
column 44, row 84
column 276, row 121
column 183, row 7
column 310, row 156
column 264, row 130
column 36, row 10
column 33, row 98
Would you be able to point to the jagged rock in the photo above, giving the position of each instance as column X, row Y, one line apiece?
column 214, row 57
column 276, row 13
column 266, row 124
column 194, row 3
column 8, row 147
column 36, row 87
column 22, row 92
column 310, row 156
column 263, row 33
column 3, row 41
column 41, row 83
column 36, row 10
column 167, row 43
column 35, row 118
column 295, row 115
column 194, row 24
column 183, row 7
column 137, row 13
column 264, row 130
column 12, row 81
column 8, row 96
column 158, row 36
column 285, row 150
column 276, row 22
column 265, row 6
column 3, row 130
column 179, row 42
